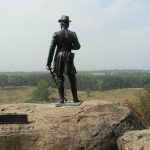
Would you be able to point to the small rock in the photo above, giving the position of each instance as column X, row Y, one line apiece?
column 135, row 140
column 3, row 109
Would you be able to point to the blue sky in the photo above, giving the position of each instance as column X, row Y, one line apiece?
column 114, row 34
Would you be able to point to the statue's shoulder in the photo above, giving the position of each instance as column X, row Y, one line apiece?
column 55, row 33
column 72, row 32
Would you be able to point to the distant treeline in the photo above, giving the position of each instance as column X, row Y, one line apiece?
column 84, row 81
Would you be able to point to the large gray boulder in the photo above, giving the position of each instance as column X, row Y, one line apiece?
column 135, row 140
column 94, row 125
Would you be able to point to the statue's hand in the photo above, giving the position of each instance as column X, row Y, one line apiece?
column 48, row 66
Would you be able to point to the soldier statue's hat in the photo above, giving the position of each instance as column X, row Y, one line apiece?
column 64, row 19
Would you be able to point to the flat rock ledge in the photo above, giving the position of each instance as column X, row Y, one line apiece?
column 94, row 125
column 135, row 140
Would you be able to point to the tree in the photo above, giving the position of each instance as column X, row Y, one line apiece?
column 41, row 93
column 3, row 80
column 88, row 92
column 16, row 80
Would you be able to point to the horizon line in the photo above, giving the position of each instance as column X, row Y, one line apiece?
column 80, row 70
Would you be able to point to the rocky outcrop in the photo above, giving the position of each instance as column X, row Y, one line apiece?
column 94, row 125
column 135, row 140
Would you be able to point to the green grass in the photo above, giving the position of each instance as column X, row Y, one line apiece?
column 24, row 94
column 119, row 95
column 16, row 94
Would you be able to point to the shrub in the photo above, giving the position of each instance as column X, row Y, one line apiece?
column 41, row 92
column 142, row 108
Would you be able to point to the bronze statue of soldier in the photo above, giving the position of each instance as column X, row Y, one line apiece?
column 64, row 41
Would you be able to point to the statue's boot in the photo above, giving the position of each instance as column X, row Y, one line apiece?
column 73, row 85
column 74, row 93
column 61, row 92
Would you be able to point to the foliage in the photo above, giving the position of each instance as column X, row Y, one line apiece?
column 15, row 80
column 142, row 108
column 84, row 81
column 88, row 92
column 3, row 80
column 41, row 92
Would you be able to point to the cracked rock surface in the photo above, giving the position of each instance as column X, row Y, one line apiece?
column 94, row 125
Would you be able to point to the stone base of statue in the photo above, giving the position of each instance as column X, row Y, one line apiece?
column 94, row 125
column 69, row 103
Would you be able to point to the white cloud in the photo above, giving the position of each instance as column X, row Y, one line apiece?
column 126, row 49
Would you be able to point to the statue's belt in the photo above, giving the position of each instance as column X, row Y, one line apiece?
column 69, row 56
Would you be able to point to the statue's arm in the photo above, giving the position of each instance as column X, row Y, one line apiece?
column 75, row 45
column 51, row 50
